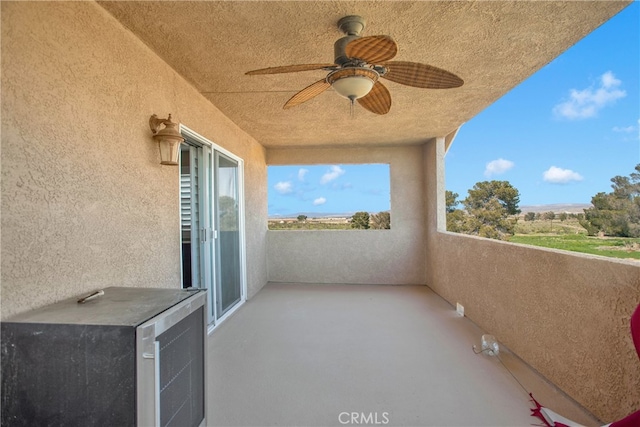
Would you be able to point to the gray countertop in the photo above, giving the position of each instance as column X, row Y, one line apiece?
column 118, row 306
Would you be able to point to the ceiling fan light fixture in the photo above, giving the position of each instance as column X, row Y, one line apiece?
column 353, row 82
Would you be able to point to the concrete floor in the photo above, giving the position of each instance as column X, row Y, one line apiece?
column 311, row 355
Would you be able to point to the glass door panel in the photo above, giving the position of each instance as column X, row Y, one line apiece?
column 227, row 249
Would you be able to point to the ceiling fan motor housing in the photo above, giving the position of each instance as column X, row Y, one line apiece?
column 341, row 57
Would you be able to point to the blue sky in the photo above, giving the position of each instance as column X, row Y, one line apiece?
column 328, row 189
column 562, row 134
column 558, row 137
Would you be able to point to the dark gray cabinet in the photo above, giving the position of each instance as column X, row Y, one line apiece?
column 134, row 356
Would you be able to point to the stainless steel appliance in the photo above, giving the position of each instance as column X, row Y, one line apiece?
column 130, row 356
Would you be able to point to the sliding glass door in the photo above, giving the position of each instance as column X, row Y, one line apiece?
column 211, row 225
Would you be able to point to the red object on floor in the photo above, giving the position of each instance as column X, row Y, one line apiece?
column 536, row 412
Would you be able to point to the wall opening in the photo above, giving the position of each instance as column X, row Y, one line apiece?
column 329, row 197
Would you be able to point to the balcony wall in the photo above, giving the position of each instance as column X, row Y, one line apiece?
column 394, row 256
column 85, row 202
column 565, row 314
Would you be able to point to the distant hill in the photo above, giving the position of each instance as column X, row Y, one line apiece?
column 557, row 208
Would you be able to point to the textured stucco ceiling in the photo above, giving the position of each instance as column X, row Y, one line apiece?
column 493, row 46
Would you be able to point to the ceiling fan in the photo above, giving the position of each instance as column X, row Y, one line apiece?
column 359, row 63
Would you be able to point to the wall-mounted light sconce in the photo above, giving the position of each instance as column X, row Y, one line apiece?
column 169, row 139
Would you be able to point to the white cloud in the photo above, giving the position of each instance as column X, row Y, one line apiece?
column 319, row 201
column 333, row 173
column 556, row 175
column 586, row 103
column 626, row 129
column 609, row 80
column 301, row 173
column 496, row 167
column 284, row 187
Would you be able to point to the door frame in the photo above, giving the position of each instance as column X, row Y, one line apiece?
column 211, row 315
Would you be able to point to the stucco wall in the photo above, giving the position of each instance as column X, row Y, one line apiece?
column 394, row 256
column 565, row 314
column 85, row 202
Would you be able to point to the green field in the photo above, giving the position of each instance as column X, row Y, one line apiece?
column 617, row 247
column 569, row 235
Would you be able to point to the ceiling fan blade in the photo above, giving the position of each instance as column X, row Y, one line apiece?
column 378, row 100
column 307, row 93
column 291, row 69
column 372, row 49
column 420, row 75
